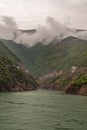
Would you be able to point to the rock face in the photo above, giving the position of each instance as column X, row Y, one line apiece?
column 13, row 79
column 79, row 85
column 16, row 87
column 83, row 91
column 70, row 82
column 77, row 90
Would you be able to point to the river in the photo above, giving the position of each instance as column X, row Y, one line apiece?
column 42, row 110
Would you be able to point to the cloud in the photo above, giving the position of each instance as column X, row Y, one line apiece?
column 8, row 28
column 27, row 12
column 82, row 35
column 44, row 33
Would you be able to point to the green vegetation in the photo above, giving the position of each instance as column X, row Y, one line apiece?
column 11, row 78
column 80, row 80
column 78, row 85
column 42, row 59
column 4, row 51
column 55, row 57
column 18, row 49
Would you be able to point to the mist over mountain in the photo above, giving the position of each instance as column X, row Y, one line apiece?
column 43, row 64
column 44, row 33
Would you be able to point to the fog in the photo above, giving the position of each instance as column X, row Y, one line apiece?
column 44, row 33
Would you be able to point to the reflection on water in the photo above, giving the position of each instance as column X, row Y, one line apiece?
column 42, row 110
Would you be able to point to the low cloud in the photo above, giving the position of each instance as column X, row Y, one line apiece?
column 52, row 30
column 8, row 28
column 82, row 35
column 45, row 34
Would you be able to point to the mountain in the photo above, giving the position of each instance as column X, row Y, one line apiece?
column 43, row 59
column 19, row 50
column 4, row 51
column 52, row 64
column 12, row 77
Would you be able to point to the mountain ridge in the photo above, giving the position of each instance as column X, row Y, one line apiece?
column 12, row 76
column 61, row 55
column 51, row 64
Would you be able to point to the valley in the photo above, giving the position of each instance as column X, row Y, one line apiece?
column 43, row 64
column 59, row 65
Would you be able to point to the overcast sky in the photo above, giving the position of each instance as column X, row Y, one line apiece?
column 30, row 13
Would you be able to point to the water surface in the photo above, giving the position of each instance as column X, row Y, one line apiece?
column 42, row 110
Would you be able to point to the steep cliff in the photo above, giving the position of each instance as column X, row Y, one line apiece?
column 13, row 79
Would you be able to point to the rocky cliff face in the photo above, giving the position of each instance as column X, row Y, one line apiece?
column 77, row 90
column 72, row 82
column 78, row 85
column 13, row 79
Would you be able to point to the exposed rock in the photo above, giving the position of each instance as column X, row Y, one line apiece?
column 13, row 79
column 83, row 91
column 77, row 90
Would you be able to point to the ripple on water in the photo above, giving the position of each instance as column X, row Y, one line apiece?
column 42, row 110
column 63, row 129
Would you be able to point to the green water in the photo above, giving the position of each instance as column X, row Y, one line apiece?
column 42, row 110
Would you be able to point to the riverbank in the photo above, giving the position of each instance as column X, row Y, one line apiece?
column 72, row 83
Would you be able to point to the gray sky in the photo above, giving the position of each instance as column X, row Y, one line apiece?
column 30, row 13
